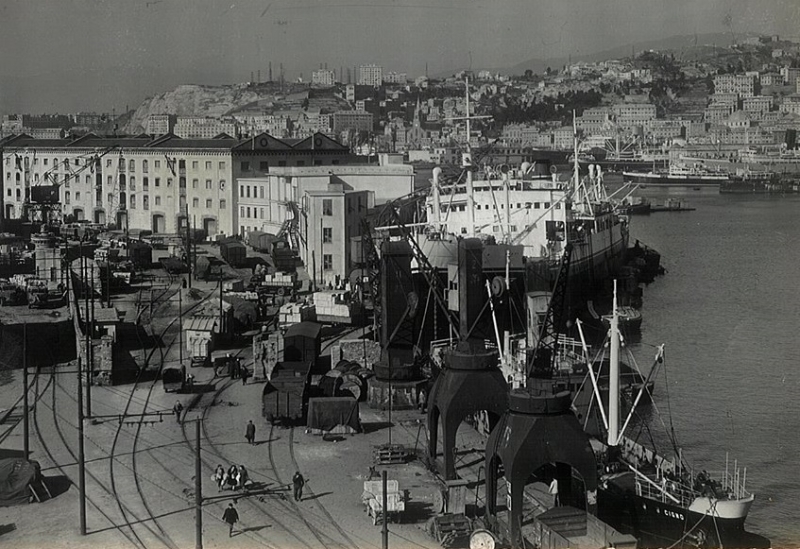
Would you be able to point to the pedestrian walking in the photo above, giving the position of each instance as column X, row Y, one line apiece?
column 219, row 476
column 231, row 366
column 250, row 432
column 554, row 492
column 177, row 409
column 298, row 481
column 245, row 373
column 244, row 477
column 231, row 516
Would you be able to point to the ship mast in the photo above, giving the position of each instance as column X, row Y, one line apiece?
column 467, row 165
column 613, row 377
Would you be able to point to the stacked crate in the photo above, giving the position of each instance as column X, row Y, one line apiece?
column 332, row 305
column 292, row 313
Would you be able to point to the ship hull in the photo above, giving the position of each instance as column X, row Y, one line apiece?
column 660, row 524
column 763, row 186
column 594, row 263
column 674, row 180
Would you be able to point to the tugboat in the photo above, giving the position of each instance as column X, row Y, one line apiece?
column 664, row 502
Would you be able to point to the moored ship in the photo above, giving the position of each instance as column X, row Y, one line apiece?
column 532, row 208
column 678, row 175
column 748, row 182
column 664, row 502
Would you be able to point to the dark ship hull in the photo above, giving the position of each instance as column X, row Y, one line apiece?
column 666, row 524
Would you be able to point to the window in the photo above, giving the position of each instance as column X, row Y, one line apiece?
column 66, row 197
column 558, row 205
column 327, row 235
column 145, row 184
column 327, row 262
column 157, row 164
column 108, row 162
column 88, row 179
column 195, row 183
column 209, row 203
column 222, row 184
column 208, row 164
column 222, row 204
column 132, row 166
column 45, row 162
column 77, row 162
column 19, row 194
column 248, row 211
column 133, row 202
column 182, row 182
column 261, row 192
column 546, row 205
column 195, row 202
column 537, row 205
column 241, row 191
column 144, row 166
column 262, row 214
column 247, row 191
column 158, row 201
column 18, row 180
column 301, row 163
column 110, row 180
column 169, row 182
column 222, row 165
column 263, row 166
column 77, row 196
column 208, row 184
column 146, row 202
column 182, row 164
column 110, row 198
column 195, row 165
column 132, row 183
column 245, row 166
column 281, row 163
column 318, row 162
column 327, row 206
column 55, row 163
column 241, row 211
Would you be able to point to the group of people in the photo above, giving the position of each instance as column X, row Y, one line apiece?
column 234, row 478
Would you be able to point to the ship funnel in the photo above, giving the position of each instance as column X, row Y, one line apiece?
column 525, row 167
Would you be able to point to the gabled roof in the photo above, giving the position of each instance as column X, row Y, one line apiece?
column 319, row 141
column 262, row 142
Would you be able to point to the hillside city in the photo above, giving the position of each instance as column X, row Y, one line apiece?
column 745, row 95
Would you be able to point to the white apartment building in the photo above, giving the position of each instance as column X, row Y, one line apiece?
column 742, row 84
column 370, row 75
column 630, row 115
column 204, row 127
column 323, row 77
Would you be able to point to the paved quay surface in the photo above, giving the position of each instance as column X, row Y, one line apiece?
column 140, row 474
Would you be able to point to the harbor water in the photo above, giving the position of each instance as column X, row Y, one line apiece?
column 728, row 310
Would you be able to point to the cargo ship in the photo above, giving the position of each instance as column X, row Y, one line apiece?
column 678, row 175
column 661, row 500
column 532, row 208
column 749, row 182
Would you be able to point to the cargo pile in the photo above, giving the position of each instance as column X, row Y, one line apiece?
column 332, row 305
column 292, row 313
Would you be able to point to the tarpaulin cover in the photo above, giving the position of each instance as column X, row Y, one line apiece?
column 15, row 475
column 326, row 413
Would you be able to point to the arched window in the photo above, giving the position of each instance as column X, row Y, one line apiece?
column 144, row 166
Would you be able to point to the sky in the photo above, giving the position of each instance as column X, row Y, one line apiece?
column 99, row 55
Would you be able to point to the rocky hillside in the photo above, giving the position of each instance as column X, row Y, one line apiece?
column 195, row 100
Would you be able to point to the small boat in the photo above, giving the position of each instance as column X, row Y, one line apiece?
column 630, row 319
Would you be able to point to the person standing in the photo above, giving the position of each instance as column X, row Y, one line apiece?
column 554, row 492
column 250, row 432
column 298, row 481
column 245, row 373
column 177, row 409
column 231, row 516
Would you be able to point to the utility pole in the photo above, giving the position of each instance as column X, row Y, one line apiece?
column 81, row 456
column 189, row 247
column 384, row 505
column 198, row 492
column 90, row 372
column 26, row 424
column 180, row 325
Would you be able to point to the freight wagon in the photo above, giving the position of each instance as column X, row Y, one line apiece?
column 234, row 252
column 286, row 394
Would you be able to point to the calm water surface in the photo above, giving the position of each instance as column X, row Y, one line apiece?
column 728, row 311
